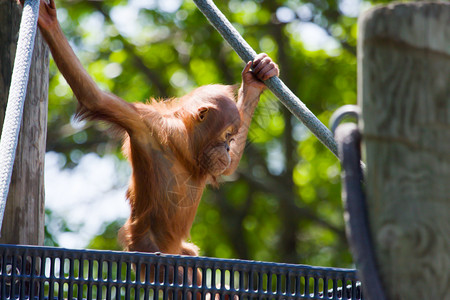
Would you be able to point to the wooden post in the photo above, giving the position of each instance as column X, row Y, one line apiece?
column 24, row 215
column 404, row 90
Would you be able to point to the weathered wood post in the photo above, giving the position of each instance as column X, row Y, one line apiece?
column 24, row 215
column 404, row 90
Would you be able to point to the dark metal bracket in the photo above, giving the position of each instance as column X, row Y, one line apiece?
column 348, row 138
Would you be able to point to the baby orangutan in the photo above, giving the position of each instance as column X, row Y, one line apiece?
column 175, row 147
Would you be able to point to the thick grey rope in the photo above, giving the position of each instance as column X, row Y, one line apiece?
column 16, row 99
column 243, row 49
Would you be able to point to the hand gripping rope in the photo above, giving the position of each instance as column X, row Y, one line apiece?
column 16, row 99
column 243, row 49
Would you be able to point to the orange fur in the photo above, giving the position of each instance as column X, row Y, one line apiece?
column 168, row 157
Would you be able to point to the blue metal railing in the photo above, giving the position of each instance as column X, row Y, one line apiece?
column 30, row 272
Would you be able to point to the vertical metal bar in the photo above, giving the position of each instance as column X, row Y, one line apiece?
column 279, row 290
column 204, row 283
column 147, row 279
column 325, row 287
column 138, row 279
column 288, row 290
column 348, row 292
column 344, row 288
column 194, row 281
column 80, row 277
column 119, row 271
column 260, row 282
column 13, row 275
column 138, row 272
column 109, row 280
column 307, row 295
column 194, row 276
column 184, row 283
column 71, row 278
column 100, row 279
column 33, row 276
column 335, row 288
column 250, row 280
column 128, row 280
column 137, row 292
column 223, row 281
column 61, row 276
column 24, row 275
column 119, row 279
column 232, row 283
column 166, row 282
column 176, row 280
column 90, row 278
column 51, row 281
column 42, row 275
column 353, row 289
column 157, row 279
column 269, row 283
column 213, row 278
column 316, row 286
column 241, row 282
column 175, row 273
column 4, row 276
column 298, row 285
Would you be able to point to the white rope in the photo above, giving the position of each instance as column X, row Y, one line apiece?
column 16, row 99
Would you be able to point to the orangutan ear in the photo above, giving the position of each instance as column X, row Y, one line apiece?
column 202, row 111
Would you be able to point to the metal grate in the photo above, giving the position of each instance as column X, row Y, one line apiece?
column 30, row 272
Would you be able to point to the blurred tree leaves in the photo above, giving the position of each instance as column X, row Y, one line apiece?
column 54, row 224
column 284, row 203
column 108, row 237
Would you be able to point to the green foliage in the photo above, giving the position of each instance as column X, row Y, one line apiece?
column 54, row 224
column 107, row 238
column 284, row 202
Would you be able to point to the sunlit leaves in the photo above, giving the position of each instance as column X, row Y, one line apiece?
column 204, row 71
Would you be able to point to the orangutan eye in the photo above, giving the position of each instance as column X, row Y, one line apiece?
column 228, row 133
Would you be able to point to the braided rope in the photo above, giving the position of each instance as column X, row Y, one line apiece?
column 16, row 99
